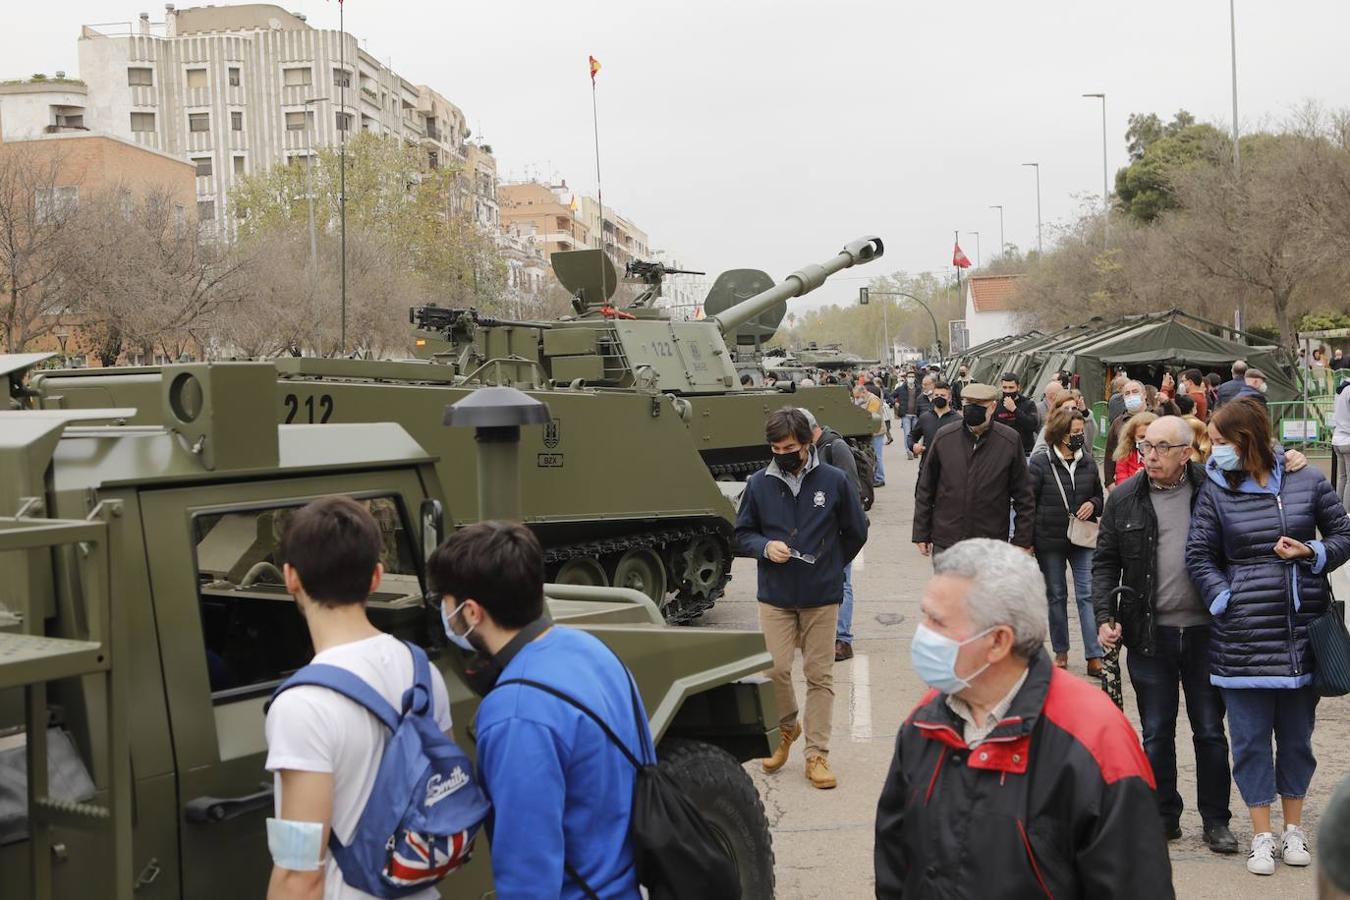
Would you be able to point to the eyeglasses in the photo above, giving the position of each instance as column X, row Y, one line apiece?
column 1147, row 447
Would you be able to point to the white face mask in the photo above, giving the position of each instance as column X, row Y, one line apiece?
column 459, row 640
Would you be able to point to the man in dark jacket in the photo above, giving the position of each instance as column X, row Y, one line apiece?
column 1012, row 778
column 974, row 472
column 1230, row 389
column 1018, row 413
column 1132, row 401
column 905, row 401
column 1141, row 544
column 804, row 523
column 940, row 414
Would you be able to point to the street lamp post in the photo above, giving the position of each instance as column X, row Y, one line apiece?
column 310, row 116
column 1002, row 244
column 1241, row 317
column 1040, row 247
column 978, row 264
column 1106, row 193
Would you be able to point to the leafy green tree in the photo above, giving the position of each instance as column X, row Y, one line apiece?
column 1146, row 187
column 410, row 216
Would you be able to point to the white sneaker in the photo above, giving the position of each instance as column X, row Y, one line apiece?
column 1261, row 861
column 1295, row 849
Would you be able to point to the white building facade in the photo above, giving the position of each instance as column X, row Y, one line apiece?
column 238, row 89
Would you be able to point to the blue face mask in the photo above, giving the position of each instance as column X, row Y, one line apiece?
column 1134, row 403
column 1225, row 456
column 934, row 659
column 459, row 640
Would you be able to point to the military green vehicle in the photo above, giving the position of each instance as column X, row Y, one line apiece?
column 621, row 486
column 640, row 348
column 143, row 625
column 586, row 476
column 830, row 356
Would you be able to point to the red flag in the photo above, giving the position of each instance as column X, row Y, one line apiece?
column 595, row 67
column 959, row 259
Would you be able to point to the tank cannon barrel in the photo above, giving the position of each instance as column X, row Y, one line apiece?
column 802, row 281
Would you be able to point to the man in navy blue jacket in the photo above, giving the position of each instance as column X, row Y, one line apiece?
column 804, row 522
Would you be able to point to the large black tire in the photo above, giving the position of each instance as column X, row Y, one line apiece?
column 726, row 796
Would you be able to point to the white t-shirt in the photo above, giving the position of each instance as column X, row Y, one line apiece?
column 314, row 729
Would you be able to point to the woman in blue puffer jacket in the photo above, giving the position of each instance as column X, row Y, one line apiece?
column 1254, row 557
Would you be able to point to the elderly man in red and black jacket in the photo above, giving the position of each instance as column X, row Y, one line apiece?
column 1011, row 779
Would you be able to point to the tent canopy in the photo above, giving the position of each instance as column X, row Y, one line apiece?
column 1141, row 345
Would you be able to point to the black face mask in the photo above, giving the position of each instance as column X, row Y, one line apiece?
column 789, row 462
column 1075, row 442
column 1010, row 393
column 974, row 415
column 939, row 403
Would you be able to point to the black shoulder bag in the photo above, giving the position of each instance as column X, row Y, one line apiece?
column 678, row 853
column 1331, row 650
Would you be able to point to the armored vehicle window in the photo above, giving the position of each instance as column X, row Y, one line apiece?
column 254, row 635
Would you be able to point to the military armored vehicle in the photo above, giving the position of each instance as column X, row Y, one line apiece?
column 830, row 356
column 143, row 625
column 640, row 348
column 619, row 485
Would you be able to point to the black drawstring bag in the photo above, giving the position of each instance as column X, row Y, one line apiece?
column 679, row 855
column 1331, row 650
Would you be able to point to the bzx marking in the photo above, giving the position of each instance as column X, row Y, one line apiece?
column 551, row 436
column 550, row 461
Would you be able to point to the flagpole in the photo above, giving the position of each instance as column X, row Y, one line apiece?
column 599, row 192
column 342, row 164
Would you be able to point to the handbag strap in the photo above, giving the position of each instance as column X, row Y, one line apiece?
column 1050, row 454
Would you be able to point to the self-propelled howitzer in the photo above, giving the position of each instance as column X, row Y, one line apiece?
column 640, row 347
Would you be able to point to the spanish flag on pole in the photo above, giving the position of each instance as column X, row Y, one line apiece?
column 595, row 67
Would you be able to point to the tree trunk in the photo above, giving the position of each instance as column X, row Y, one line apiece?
column 1280, row 298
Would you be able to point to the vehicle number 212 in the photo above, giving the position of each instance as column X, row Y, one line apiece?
column 323, row 406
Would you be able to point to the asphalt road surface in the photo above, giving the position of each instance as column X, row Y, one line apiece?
column 823, row 839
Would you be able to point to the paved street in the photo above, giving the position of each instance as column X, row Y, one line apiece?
column 823, row 839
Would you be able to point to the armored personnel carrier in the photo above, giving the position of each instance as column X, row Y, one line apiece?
column 143, row 626
column 619, row 485
column 640, row 348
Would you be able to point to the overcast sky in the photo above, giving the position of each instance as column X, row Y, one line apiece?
column 765, row 134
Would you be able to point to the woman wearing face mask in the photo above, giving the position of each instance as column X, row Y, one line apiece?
column 1128, row 458
column 1132, row 400
column 1065, row 484
column 1254, row 557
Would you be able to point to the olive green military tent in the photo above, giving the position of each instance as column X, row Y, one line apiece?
column 1141, row 345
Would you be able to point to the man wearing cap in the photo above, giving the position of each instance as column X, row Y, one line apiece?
column 974, row 471
column 1253, row 385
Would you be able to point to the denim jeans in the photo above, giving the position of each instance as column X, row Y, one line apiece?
column 1342, row 473
column 843, row 629
column 879, row 447
column 1181, row 661
column 907, row 426
column 1254, row 715
column 1057, row 592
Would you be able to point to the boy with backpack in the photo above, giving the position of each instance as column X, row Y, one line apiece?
column 348, row 736
column 562, row 788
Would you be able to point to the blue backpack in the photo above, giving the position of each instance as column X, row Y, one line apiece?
column 425, row 807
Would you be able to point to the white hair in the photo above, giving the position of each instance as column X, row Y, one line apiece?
column 1007, row 588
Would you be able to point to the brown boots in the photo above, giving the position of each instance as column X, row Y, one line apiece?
column 817, row 767
column 819, row 774
column 780, row 756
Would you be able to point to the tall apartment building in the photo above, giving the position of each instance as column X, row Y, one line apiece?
column 544, row 214
column 621, row 239
column 238, row 89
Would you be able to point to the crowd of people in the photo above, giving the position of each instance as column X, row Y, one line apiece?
column 1196, row 543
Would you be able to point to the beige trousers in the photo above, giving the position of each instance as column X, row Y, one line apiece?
column 811, row 631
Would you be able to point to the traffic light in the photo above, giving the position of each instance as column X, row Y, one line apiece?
column 862, row 296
